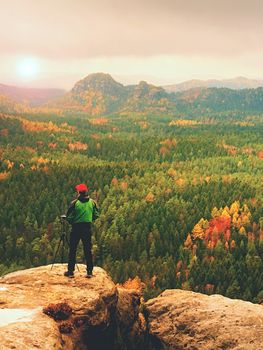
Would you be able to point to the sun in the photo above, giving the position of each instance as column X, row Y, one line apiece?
column 28, row 67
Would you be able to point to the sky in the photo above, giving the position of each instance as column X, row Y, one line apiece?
column 54, row 43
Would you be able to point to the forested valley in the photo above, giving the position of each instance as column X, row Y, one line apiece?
column 180, row 199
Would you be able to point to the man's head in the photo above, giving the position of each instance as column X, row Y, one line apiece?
column 81, row 188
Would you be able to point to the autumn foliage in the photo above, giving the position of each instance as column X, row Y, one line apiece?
column 98, row 121
column 34, row 126
column 166, row 146
column 4, row 175
column 4, row 132
column 183, row 122
column 219, row 227
column 133, row 283
column 77, row 146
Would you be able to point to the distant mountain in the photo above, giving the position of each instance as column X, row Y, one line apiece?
column 99, row 94
column 31, row 96
column 236, row 84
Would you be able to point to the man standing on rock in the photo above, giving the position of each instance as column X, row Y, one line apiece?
column 80, row 215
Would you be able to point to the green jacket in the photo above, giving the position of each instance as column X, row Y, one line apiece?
column 82, row 209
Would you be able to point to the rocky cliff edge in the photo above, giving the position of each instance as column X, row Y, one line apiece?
column 106, row 317
column 24, row 294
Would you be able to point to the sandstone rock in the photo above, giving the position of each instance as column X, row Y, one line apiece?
column 111, row 318
column 92, row 300
column 186, row 320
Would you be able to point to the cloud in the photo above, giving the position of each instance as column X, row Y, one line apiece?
column 60, row 29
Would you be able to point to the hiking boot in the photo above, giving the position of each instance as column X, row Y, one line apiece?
column 69, row 274
column 89, row 274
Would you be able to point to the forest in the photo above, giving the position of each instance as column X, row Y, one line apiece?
column 180, row 198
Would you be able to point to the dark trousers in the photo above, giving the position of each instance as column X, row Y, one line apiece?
column 81, row 231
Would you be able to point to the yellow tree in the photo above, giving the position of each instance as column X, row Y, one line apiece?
column 215, row 212
column 188, row 242
column 198, row 231
column 234, row 208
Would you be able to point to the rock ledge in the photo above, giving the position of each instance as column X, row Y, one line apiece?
column 29, row 291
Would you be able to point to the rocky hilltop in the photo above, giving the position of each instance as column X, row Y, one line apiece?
column 100, row 94
column 103, row 316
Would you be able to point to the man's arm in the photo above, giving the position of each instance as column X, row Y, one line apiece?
column 95, row 212
column 71, row 211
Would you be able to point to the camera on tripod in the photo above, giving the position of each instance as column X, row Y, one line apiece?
column 63, row 239
column 63, row 217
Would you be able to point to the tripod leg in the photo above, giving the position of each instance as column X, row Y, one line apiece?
column 56, row 253
column 62, row 251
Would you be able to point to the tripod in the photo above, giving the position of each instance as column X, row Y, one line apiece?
column 62, row 241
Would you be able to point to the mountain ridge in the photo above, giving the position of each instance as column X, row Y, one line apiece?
column 99, row 94
column 237, row 83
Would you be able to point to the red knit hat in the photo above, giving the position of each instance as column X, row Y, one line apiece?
column 81, row 188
